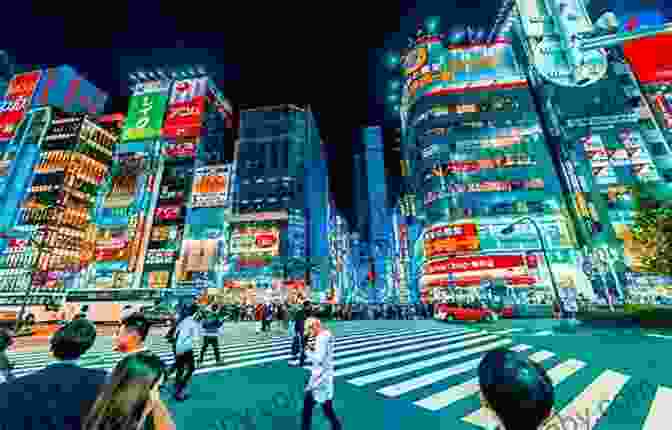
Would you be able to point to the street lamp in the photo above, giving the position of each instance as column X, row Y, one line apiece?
column 508, row 230
column 36, row 265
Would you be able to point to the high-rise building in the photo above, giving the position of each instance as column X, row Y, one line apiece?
column 6, row 71
column 280, row 209
column 477, row 161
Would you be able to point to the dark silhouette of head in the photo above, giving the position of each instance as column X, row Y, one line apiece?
column 73, row 339
column 517, row 390
column 122, row 402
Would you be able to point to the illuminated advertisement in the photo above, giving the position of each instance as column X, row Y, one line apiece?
column 485, row 186
column 146, row 110
column 643, row 54
column 450, row 238
column 414, row 60
column 186, row 148
column 186, row 108
column 211, row 186
column 296, row 235
column 6, row 162
column 169, row 213
column 127, row 183
column 112, row 245
column 199, row 255
column 16, row 101
column 640, row 158
column 457, row 66
column 251, row 239
column 460, row 270
column 165, row 255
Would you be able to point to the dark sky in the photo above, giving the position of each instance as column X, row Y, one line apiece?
column 328, row 54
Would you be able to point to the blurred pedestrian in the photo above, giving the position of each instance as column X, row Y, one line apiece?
column 186, row 333
column 6, row 342
column 130, row 338
column 267, row 316
column 131, row 400
column 59, row 395
column 212, row 327
column 298, row 344
column 517, row 391
column 320, row 387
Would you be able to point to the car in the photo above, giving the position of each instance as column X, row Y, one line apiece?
column 448, row 312
column 158, row 315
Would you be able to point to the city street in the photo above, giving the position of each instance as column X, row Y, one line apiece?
column 415, row 374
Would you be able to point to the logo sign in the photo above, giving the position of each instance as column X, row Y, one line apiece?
column 19, row 93
column 184, row 119
column 146, row 110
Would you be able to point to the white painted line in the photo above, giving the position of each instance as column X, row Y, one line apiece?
column 241, row 364
column 458, row 392
column 428, row 334
column 520, row 348
column 660, row 417
column 430, row 378
column 511, row 330
column 662, row 336
column 483, row 417
column 380, row 363
column 543, row 333
column 589, row 406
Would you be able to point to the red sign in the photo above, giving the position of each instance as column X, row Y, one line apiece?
column 265, row 240
column 184, row 119
column 181, row 150
column 467, row 264
column 451, row 238
column 19, row 94
column 647, row 63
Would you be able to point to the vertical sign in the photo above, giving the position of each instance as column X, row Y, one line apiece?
column 17, row 99
column 145, row 111
column 211, row 186
column 186, row 108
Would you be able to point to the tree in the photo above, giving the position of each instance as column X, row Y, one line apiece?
column 652, row 230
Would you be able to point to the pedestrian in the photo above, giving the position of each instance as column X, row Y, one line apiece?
column 131, row 399
column 212, row 329
column 59, row 395
column 6, row 342
column 186, row 332
column 130, row 338
column 517, row 391
column 298, row 344
column 267, row 317
column 556, row 310
column 320, row 387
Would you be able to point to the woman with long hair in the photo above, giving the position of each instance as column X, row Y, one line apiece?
column 130, row 400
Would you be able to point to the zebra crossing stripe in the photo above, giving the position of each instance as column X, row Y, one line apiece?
column 511, row 330
column 241, row 364
column 453, row 394
column 662, row 336
column 380, row 363
column 460, row 368
column 543, row 333
column 593, row 402
column 658, row 417
column 350, row 350
column 483, row 416
column 431, row 378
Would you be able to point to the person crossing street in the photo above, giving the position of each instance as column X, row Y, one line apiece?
column 186, row 332
column 212, row 329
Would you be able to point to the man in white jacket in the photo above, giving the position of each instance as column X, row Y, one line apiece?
column 186, row 332
column 320, row 388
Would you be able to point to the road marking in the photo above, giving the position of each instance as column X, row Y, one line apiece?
column 659, row 335
column 543, row 333
column 520, row 348
column 483, row 416
column 511, row 330
column 430, row 334
column 659, row 415
column 458, row 392
column 241, row 364
column 588, row 407
column 375, row 364
column 385, row 374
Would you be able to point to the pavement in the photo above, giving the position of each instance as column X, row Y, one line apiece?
column 416, row 374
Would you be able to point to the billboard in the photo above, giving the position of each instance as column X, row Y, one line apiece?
column 199, row 255
column 146, row 110
column 211, row 186
column 182, row 148
column 17, row 99
column 448, row 239
column 186, row 108
column 112, row 244
column 252, row 239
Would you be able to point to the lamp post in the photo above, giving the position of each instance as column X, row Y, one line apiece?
column 35, row 267
column 509, row 229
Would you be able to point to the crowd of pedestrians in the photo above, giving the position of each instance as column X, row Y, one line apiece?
column 66, row 396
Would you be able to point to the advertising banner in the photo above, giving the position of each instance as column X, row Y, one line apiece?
column 146, row 110
column 467, row 264
column 199, row 255
column 249, row 239
column 17, row 99
column 451, row 238
column 127, row 181
column 211, row 186
column 112, row 244
column 186, row 108
column 186, row 148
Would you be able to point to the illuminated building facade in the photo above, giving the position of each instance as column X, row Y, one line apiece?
column 281, row 206
column 476, row 158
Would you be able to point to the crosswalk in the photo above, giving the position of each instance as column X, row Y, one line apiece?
column 433, row 369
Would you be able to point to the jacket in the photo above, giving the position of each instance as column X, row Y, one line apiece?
column 212, row 326
column 54, row 398
column 186, row 332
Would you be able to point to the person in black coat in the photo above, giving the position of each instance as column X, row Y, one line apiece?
column 58, row 396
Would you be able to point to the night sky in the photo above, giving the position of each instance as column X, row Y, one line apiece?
column 327, row 54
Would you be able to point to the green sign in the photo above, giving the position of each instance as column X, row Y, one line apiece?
column 146, row 111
